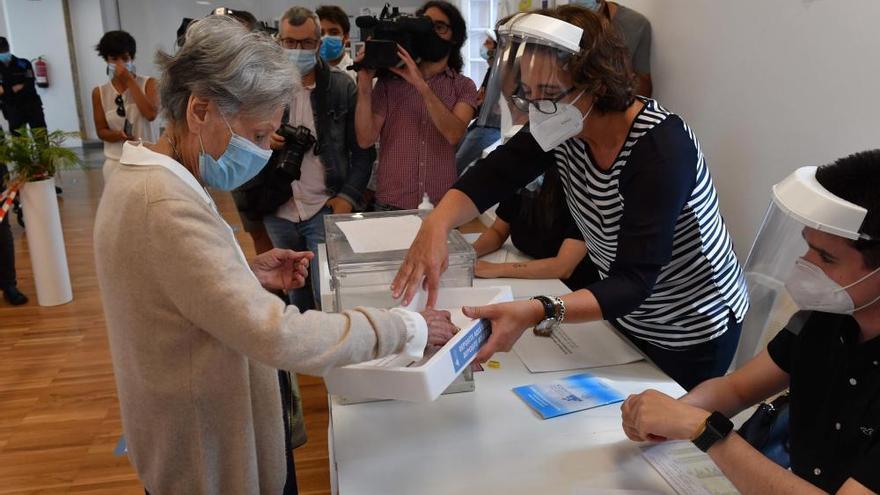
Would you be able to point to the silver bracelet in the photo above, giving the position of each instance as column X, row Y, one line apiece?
column 560, row 310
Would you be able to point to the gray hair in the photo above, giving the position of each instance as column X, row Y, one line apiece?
column 297, row 16
column 239, row 70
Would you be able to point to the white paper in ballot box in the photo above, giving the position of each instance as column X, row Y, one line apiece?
column 398, row 377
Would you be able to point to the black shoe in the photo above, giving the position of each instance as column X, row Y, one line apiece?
column 14, row 296
column 58, row 190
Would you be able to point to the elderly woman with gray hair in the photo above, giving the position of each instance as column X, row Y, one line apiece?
column 196, row 338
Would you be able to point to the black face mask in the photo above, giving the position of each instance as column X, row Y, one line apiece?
column 434, row 48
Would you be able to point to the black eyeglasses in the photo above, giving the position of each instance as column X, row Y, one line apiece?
column 441, row 27
column 543, row 105
column 306, row 44
column 120, row 106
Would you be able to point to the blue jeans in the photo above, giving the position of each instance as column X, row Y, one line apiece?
column 301, row 236
column 471, row 148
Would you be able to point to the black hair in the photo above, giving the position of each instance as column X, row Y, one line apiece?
column 548, row 205
column 244, row 17
column 116, row 44
column 335, row 15
column 856, row 178
column 459, row 30
column 4, row 44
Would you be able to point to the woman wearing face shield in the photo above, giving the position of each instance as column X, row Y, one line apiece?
column 196, row 338
column 637, row 185
column 819, row 247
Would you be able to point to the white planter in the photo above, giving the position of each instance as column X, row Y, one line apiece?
column 46, row 242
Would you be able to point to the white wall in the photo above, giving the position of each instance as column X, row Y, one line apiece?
column 37, row 28
column 768, row 86
column 86, row 21
column 154, row 24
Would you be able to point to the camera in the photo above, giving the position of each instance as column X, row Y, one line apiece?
column 297, row 142
column 391, row 28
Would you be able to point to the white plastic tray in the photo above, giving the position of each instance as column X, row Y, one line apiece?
column 398, row 377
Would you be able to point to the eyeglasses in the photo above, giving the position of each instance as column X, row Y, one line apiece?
column 543, row 105
column 307, row 44
column 441, row 27
column 120, row 106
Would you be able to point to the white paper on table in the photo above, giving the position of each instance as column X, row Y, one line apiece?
column 372, row 235
column 688, row 470
column 575, row 346
column 582, row 489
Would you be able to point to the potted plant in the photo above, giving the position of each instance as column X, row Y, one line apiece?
column 34, row 156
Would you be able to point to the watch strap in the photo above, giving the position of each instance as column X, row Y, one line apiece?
column 549, row 307
column 717, row 427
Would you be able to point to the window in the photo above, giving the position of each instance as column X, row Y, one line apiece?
column 479, row 15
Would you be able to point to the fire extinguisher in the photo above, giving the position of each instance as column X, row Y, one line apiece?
column 41, row 72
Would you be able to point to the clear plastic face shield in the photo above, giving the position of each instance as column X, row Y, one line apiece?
column 778, row 271
column 530, row 68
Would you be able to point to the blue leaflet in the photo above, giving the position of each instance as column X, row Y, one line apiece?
column 570, row 394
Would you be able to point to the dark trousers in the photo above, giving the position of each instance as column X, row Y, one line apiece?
column 7, row 249
column 31, row 115
column 695, row 364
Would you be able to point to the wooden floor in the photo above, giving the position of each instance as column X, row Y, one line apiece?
column 59, row 416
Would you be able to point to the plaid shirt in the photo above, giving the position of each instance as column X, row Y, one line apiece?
column 414, row 157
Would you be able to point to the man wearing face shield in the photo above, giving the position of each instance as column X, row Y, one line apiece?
column 195, row 336
column 820, row 248
column 637, row 185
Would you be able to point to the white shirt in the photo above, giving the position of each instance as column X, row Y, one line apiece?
column 345, row 62
column 310, row 191
column 141, row 128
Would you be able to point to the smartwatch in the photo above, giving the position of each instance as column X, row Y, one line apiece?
column 716, row 428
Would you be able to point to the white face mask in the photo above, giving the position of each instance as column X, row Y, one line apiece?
column 551, row 130
column 813, row 290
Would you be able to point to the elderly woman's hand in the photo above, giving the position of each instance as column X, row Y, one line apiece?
column 440, row 326
column 282, row 269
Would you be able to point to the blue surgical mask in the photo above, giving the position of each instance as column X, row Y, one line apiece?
column 241, row 161
column 485, row 53
column 304, row 60
column 589, row 4
column 111, row 69
column 5, row 57
column 331, row 47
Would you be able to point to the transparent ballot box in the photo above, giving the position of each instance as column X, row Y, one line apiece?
column 364, row 252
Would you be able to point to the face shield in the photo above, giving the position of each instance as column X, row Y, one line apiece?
column 530, row 68
column 799, row 205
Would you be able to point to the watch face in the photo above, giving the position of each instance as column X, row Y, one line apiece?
column 545, row 327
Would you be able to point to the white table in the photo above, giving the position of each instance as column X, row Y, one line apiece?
column 489, row 441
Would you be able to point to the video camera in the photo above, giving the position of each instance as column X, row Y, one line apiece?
column 384, row 33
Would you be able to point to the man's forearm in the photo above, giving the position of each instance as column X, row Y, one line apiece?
column 450, row 126
column 753, row 473
column 715, row 395
column 363, row 118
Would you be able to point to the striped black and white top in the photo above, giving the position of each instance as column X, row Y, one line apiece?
column 651, row 223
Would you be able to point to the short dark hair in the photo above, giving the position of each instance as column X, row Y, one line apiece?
column 603, row 64
column 4, row 44
column 856, row 178
column 458, row 26
column 335, row 15
column 116, row 44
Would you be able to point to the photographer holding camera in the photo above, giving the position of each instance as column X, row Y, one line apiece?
column 420, row 110
column 317, row 154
